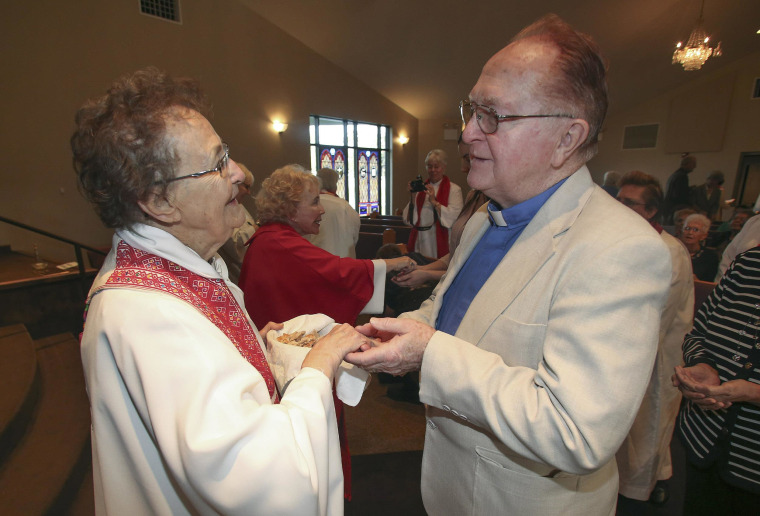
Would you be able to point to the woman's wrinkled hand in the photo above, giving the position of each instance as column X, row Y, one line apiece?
column 696, row 382
column 266, row 329
column 330, row 350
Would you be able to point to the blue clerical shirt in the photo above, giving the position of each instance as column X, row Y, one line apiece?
column 506, row 226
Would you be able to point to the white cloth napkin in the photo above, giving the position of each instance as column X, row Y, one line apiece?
column 286, row 359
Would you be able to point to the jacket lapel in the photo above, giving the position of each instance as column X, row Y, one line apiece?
column 535, row 246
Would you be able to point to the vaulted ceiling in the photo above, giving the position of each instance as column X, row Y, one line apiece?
column 425, row 55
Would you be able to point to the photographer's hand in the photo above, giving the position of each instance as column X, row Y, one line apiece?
column 430, row 190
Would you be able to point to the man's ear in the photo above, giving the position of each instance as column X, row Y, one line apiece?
column 158, row 207
column 574, row 136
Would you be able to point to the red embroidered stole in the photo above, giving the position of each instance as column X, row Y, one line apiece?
column 138, row 269
column 441, row 234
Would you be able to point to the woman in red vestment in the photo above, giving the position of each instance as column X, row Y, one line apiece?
column 284, row 275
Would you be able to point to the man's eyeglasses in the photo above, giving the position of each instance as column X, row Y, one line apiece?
column 630, row 202
column 488, row 119
column 222, row 167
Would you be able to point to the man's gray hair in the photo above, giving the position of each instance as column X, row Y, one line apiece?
column 328, row 179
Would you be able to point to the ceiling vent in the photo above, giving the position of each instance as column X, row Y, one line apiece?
column 164, row 9
column 640, row 136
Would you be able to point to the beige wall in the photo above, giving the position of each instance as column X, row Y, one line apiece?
column 56, row 54
column 742, row 128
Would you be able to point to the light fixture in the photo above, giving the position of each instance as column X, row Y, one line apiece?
column 697, row 49
column 403, row 140
column 280, row 127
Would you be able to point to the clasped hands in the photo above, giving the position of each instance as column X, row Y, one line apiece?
column 396, row 346
column 383, row 345
column 701, row 385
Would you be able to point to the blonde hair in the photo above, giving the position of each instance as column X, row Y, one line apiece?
column 280, row 193
column 437, row 154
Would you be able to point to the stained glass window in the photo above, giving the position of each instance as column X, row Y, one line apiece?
column 360, row 152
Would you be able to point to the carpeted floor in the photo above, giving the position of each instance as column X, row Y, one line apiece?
column 385, row 437
column 379, row 424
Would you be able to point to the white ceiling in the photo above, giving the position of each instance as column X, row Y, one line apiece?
column 425, row 55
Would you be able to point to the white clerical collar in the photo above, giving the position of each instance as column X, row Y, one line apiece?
column 497, row 217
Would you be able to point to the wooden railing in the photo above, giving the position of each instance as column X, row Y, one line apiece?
column 77, row 245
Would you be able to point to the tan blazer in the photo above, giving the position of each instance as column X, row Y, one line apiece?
column 531, row 398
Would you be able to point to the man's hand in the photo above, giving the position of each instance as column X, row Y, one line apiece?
column 400, row 347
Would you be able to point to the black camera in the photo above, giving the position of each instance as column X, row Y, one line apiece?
column 418, row 185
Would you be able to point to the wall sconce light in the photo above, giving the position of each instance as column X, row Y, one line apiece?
column 280, row 127
column 403, row 140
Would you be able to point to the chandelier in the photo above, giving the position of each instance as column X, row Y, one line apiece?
column 697, row 49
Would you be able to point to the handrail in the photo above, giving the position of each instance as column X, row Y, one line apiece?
column 77, row 245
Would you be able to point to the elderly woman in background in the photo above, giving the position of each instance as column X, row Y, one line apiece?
column 720, row 422
column 432, row 212
column 704, row 260
column 284, row 275
column 186, row 417
column 233, row 250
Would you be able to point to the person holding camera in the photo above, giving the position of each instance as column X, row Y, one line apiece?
column 433, row 208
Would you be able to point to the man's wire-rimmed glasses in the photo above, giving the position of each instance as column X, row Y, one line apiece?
column 488, row 119
column 220, row 167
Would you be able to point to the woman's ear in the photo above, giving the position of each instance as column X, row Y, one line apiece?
column 158, row 207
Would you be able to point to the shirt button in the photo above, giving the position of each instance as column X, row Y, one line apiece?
column 748, row 365
column 736, row 358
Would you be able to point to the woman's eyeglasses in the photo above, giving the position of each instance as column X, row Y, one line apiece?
column 222, row 166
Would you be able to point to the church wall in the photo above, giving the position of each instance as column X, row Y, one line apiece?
column 57, row 54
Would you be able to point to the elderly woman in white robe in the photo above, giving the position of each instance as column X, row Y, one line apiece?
column 186, row 416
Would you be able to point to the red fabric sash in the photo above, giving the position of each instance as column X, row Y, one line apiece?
column 656, row 226
column 138, row 269
column 441, row 234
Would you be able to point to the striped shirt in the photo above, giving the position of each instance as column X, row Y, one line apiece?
column 726, row 336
